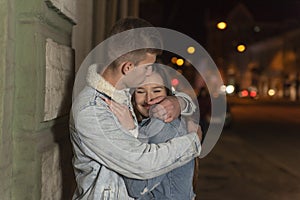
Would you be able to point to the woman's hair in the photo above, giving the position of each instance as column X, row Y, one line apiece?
column 158, row 69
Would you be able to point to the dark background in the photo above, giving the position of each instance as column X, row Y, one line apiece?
column 190, row 16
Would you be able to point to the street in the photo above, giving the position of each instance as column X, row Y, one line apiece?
column 258, row 157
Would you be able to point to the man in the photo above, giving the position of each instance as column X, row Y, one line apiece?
column 103, row 148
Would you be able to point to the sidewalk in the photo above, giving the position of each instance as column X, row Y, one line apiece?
column 232, row 171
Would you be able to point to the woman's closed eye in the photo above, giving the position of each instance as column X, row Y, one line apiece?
column 139, row 91
column 157, row 91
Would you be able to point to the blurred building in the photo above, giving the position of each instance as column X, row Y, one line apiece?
column 271, row 59
column 274, row 63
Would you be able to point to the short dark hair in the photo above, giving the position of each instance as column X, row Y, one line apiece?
column 128, row 23
column 139, row 38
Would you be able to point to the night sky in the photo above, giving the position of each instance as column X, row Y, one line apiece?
column 188, row 16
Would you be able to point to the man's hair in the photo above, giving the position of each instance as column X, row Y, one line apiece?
column 128, row 23
column 137, row 34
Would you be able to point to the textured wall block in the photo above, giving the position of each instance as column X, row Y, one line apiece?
column 59, row 76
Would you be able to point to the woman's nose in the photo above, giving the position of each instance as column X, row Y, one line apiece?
column 148, row 98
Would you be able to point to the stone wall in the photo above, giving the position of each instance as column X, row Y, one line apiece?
column 6, row 98
column 36, row 75
column 38, row 47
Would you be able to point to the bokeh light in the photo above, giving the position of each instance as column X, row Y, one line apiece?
column 180, row 62
column 221, row 25
column 191, row 50
column 173, row 60
column 241, row 48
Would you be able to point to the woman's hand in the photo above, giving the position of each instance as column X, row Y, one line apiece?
column 123, row 114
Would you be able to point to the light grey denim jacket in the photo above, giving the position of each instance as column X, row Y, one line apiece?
column 103, row 149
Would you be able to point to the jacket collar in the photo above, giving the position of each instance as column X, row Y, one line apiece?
column 96, row 81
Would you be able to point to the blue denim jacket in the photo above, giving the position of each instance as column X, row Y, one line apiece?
column 104, row 150
column 176, row 184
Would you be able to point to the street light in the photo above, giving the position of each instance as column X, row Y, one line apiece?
column 179, row 62
column 241, row 48
column 191, row 50
column 221, row 25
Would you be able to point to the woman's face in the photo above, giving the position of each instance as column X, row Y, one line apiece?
column 152, row 87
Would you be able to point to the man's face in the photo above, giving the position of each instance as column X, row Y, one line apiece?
column 138, row 73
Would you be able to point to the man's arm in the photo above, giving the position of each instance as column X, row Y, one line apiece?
column 170, row 107
column 107, row 142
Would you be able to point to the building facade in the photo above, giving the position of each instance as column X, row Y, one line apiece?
column 271, row 60
column 42, row 46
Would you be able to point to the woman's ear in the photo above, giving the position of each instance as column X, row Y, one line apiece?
column 127, row 67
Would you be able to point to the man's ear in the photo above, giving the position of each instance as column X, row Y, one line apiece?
column 126, row 67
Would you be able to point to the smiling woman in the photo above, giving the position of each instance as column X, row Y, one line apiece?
column 153, row 131
column 152, row 87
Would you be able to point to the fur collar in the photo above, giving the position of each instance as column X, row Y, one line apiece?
column 96, row 81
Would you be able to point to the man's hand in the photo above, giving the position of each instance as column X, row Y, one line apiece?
column 167, row 108
column 122, row 113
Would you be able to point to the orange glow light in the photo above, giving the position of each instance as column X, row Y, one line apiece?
column 241, row 48
column 173, row 60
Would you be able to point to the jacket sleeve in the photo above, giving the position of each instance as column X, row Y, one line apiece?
column 190, row 106
column 105, row 141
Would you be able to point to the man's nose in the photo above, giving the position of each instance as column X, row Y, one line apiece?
column 148, row 70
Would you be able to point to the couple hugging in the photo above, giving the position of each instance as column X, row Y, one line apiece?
column 131, row 137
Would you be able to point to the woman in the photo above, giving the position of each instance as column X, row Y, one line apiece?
column 178, row 183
